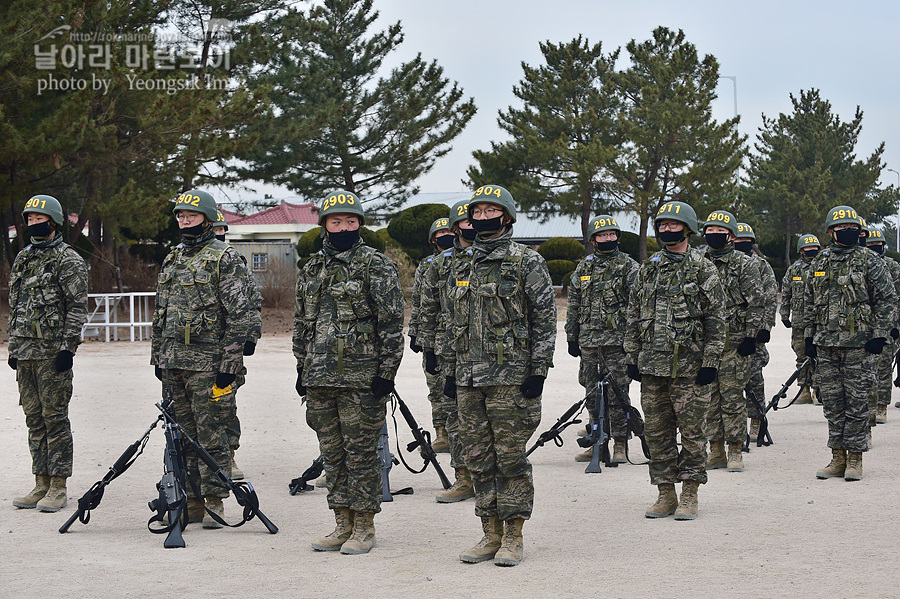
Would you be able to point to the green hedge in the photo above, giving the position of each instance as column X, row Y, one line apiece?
column 562, row 248
column 560, row 270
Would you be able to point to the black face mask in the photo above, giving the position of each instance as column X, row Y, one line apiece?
column 488, row 226
column 862, row 241
column 221, row 237
column 670, row 237
column 604, row 247
column 195, row 231
column 744, row 246
column 716, row 240
column 878, row 248
column 444, row 242
column 847, row 237
column 40, row 230
column 811, row 253
column 343, row 240
column 468, row 234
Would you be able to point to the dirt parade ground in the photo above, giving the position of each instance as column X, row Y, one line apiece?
column 771, row 531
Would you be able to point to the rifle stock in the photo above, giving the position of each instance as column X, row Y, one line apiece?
column 553, row 433
column 782, row 393
column 300, row 484
column 421, row 440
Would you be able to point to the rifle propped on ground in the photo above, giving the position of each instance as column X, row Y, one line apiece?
column 782, row 393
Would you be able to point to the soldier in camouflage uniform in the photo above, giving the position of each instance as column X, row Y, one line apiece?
column 202, row 320
column 348, row 341
column 745, row 242
column 501, row 335
column 432, row 330
column 880, row 394
column 674, row 337
column 440, row 237
column 847, row 300
column 795, row 277
column 743, row 311
column 233, row 429
column 598, row 301
column 48, row 289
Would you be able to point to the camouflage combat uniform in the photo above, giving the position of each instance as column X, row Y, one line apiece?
column 501, row 329
column 880, row 394
column 595, row 319
column 203, row 317
column 848, row 299
column 674, row 328
column 792, row 305
column 743, row 314
column 348, row 329
column 48, row 289
column 435, row 382
column 759, row 359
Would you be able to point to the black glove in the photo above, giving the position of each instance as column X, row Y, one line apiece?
column 706, row 375
column 533, row 386
column 763, row 336
column 450, row 386
column 64, row 360
column 895, row 334
column 158, row 373
column 431, row 365
column 786, row 322
column 747, row 346
column 574, row 350
column 223, row 379
column 13, row 362
column 809, row 348
column 633, row 372
column 249, row 348
column 301, row 390
column 381, row 387
column 875, row 346
column 415, row 347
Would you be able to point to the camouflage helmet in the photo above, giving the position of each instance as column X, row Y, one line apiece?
column 807, row 240
column 441, row 224
column 342, row 202
column 876, row 236
column 721, row 218
column 840, row 215
column 603, row 222
column 678, row 211
column 44, row 204
column 493, row 194
column 459, row 211
column 220, row 220
column 198, row 201
column 745, row 230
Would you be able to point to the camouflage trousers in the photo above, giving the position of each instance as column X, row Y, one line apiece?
column 880, row 392
column 589, row 376
column 844, row 376
column 347, row 423
column 757, row 384
column 435, row 384
column 448, row 407
column 203, row 416
column 44, row 395
column 233, row 428
column 798, row 344
column 727, row 415
column 495, row 423
column 673, row 406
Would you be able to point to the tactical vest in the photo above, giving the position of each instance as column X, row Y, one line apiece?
column 604, row 297
column 841, row 298
column 342, row 289
column 40, row 310
column 798, row 273
column 188, row 303
column 730, row 273
column 494, row 302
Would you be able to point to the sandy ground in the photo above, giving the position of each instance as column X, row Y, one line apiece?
column 772, row 531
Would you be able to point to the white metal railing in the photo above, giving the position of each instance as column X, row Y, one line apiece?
column 105, row 315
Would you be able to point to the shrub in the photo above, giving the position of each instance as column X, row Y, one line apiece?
column 559, row 269
column 562, row 248
column 410, row 228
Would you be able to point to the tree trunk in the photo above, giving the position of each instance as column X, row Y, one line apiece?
column 118, row 271
column 642, row 238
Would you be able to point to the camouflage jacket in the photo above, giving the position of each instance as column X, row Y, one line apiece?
column 675, row 321
column 48, row 289
column 792, row 289
column 848, row 298
column 893, row 268
column 742, row 282
column 770, row 293
column 598, row 299
column 415, row 299
column 348, row 321
column 434, row 302
column 501, row 324
column 203, row 311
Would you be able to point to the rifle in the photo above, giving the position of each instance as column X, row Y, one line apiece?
column 300, row 484
column 763, row 438
column 598, row 435
column 782, row 393
column 561, row 424
column 387, row 462
column 170, row 506
column 422, row 440
column 897, row 366
column 632, row 415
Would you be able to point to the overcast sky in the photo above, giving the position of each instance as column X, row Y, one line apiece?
column 847, row 50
